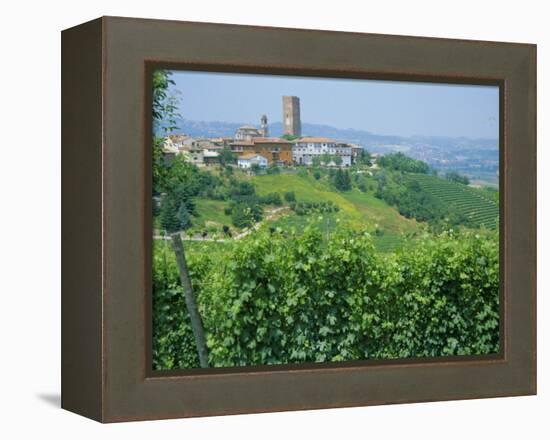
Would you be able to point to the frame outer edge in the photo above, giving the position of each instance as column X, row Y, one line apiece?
column 82, row 366
column 534, row 79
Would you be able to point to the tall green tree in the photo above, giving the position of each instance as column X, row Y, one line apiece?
column 184, row 218
column 326, row 159
column 342, row 180
column 227, row 156
column 164, row 114
column 365, row 158
column 176, row 203
column 169, row 219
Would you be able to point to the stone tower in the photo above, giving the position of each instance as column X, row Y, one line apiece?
column 291, row 116
column 264, row 129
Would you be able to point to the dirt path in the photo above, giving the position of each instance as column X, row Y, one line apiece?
column 272, row 214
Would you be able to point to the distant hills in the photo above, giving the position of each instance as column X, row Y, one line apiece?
column 477, row 158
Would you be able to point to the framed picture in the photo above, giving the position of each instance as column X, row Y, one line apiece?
column 265, row 219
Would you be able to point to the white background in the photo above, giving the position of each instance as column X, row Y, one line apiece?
column 30, row 220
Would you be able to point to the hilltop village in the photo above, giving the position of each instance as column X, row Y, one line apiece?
column 253, row 146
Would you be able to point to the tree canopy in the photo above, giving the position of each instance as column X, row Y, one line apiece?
column 401, row 162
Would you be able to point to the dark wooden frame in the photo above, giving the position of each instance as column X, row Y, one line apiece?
column 106, row 221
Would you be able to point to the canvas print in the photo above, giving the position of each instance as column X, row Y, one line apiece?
column 306, row 219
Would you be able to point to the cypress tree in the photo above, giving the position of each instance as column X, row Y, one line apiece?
column 169, row 214
column 183, row 217
column 346, row 180
column 339, row 180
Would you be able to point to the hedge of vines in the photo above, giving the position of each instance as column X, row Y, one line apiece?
column 278, row 298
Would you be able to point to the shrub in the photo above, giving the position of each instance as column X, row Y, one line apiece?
column 455, row 177
column 272, row 199
column 242, row 189
column 255, row 168
column 241, row 216
column 290, row 196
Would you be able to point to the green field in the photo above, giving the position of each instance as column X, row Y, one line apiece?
column 478, row 205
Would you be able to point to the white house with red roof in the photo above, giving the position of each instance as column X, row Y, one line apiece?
column 247, row 160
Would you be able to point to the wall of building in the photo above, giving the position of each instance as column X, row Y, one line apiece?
column 304, row 152
column 292, row 124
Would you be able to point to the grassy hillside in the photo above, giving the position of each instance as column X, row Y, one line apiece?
column 211, row 211
column 478, row 205
column 356, row 208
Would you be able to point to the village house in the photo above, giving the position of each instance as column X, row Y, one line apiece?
column 169, row 151
column 175, row 141
column 201, row 157
column 198, row 151
column 277, row 151
column 220, row 143
column 247, row 160
column 210, row 157
column 306, row 148
column 183, row 142
column 168, row 157
column 194, row 155
column 188, row 143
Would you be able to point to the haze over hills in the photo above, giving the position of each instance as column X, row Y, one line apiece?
column 477, row 158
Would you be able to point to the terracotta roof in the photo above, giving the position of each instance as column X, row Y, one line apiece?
column 277, row 140
column 242, row 143
column 316, row 139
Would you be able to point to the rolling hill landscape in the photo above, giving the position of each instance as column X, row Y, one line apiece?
column 283, row 245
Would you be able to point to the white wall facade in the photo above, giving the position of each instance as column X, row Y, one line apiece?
column 248, row 162
column 304, row 152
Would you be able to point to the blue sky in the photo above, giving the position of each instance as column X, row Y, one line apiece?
column 382, row 107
